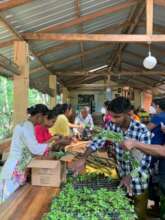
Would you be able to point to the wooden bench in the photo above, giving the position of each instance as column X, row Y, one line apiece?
column 28, row 203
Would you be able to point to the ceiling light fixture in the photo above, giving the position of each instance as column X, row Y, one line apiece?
column 98, row 68
column 32, row 58
column 150, row 61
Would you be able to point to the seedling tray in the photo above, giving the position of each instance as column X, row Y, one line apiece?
column 97, row 184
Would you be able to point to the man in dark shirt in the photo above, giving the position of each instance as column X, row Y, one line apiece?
column 154, row 150
column 157, row 121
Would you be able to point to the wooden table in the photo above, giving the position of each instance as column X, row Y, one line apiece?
column 28, row 203
column 31, row 202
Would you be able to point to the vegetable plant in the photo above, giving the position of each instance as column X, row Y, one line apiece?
column 87, row 204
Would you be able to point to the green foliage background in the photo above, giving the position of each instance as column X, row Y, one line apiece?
column 6, row 105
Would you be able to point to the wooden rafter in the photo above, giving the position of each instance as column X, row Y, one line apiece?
column 134, row 18
column 70, row 44
column 9, row 65
column 19, row 37
column 156, row 27
column 147, row 76
column 54, row 49
column 140, row 56
column 78, row 14
column 7, row 43
column 133, row 83
column 155, row 48
column 125, row 38
column 72, row 57
column 159, row 2
column 12, row 3
column 90, row 17
column 79, row 80
column 105, row 72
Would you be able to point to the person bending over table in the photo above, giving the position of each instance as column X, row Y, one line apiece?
column 23, row 147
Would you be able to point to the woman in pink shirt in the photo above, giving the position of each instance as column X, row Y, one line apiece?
column 42, row 130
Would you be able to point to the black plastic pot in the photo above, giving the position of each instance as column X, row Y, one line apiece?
column 97, row 184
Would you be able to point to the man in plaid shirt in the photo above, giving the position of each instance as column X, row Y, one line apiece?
column 137, row 183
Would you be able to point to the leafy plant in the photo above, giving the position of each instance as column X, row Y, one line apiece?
column 58, row 154
column 117, row 137
column 108, row 135
column 87, row 204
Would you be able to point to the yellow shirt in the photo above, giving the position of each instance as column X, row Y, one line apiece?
column 61, row 126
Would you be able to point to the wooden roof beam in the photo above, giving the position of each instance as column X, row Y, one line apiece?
column 7, row 43
column 19, row 37
column 78, row 14
column 113, row 73
column 123, row 38
column 140, row 56
column 134, row 17
column 90, row 17
column 159, row 2
column 8, row 65
column 72, row 57
column 70, row 44
column 12, row 3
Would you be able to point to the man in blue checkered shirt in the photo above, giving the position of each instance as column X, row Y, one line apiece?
column 136, row 183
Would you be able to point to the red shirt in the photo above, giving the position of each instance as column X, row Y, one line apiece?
column 42, row 134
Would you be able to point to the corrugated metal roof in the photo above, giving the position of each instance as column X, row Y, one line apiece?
column 89, row 6
column 40, row 14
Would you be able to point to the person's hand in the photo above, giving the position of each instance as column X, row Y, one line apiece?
column 163, row 130
column 79, row 136
column 81, row 127
column 128, row 144
column 126, row 183
column 162, row 127
column 57, row 137
column 77, row 166
column 75, row 139
column 61, row 143
column 65, row 141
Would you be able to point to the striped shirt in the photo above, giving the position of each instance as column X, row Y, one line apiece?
column 139, row 132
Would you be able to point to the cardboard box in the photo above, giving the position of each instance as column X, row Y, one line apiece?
column 48, row 172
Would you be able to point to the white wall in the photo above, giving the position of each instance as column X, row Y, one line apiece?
column 99, row 97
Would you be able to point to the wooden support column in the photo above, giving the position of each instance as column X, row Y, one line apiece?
column 149, row 16
column 21, row 82
column 146, row 100
column 65, row 95
column 53, row 85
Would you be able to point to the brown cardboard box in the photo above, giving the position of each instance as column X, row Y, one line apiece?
column 48, row 172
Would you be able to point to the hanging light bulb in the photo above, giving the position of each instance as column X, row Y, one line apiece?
column 32, row 58
column 150, row 61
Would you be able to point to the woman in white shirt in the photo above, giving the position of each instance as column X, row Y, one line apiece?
column 24, row 146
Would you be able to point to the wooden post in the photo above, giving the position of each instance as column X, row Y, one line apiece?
column 21, row 82
column 53, row 85
column 149, row 16
column 65, row 95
